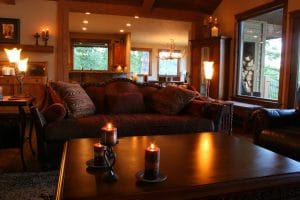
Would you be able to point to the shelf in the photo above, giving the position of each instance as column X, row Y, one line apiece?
column 32, row 48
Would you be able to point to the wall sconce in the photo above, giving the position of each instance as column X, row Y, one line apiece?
column 208, row 72
column 19, row 65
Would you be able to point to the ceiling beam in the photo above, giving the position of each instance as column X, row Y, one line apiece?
column 148, row 5
column 10, row 2
column 129, row 10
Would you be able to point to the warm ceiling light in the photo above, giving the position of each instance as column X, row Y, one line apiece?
column 85, row 21
column 136, row 17
column 121, row 30
column 128, row 24
column 87, row 13
column 84, row 28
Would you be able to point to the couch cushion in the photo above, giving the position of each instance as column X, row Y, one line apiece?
column 171, row 100
column 127, row 125
column 97, row 94
column 78, row 103
column 54, row 112
column 125, row 103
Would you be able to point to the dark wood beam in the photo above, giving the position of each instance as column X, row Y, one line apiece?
column 148, row 5
column 129, row 10
column 10, row 2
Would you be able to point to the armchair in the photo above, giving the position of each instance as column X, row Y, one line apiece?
column 278, row 130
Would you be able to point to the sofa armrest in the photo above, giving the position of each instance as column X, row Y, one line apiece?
column 269, row 118
column 214, row 111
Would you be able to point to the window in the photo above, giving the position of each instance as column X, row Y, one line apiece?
column 260, row 52
column 90, row 56
column 168, row 67
column 140, row 61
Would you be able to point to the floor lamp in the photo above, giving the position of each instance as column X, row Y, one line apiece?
column 208, row 72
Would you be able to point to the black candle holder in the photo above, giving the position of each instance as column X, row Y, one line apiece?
column 36, row 36
column 110, row 159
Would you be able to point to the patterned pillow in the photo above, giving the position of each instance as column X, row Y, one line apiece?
column 76, row 100
column 54, row 112
column 125, row 103
column 171, row 99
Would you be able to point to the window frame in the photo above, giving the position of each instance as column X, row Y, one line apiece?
column 76, row 40
column 244, row 16
column 178, row 64
column 150, row 58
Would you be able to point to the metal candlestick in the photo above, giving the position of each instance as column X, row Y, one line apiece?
column 36, row 36
column 110, row 159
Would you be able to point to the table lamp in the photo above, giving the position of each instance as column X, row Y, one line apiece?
column 208, row 72
column 19, row 65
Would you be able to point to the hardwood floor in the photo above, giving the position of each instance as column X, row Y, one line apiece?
column 10, row 160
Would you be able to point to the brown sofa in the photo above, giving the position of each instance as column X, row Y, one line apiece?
column 135, row 109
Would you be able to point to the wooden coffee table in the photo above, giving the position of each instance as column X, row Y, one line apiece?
column 197, row 166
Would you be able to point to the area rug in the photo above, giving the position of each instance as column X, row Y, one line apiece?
column 28, row 185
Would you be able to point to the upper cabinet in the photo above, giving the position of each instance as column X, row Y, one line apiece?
column 119, row 53
column 214, row 49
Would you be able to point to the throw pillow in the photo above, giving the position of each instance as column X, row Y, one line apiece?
column 77, row 101
column 54, row 112
column 125, row 103
column 171, row 100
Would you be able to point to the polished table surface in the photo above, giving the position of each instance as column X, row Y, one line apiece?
column 197, row 165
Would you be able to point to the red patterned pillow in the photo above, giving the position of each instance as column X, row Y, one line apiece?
column 54, row 112
column 76, row 100
column 125, row 103
column 171, row 99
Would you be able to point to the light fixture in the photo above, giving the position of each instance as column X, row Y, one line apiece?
column 84, row 28
column 19, row 65
column 87, row 13
column 136, row 17
column 121, row 30
column 208, row 72
column 85, row 21
column 171, row 53
column 128, row 24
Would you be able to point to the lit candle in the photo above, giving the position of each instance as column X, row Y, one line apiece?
column 47, row 32
column 98, row 154
column 214, row 31
column 109, row 135
column 152, row 157
column 135, row 77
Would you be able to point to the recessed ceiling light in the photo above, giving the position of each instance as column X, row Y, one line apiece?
column 84, row 28
column 121, row 30
column 85, row 21
column 87, row 13
column 128, row 24
column 136, row 17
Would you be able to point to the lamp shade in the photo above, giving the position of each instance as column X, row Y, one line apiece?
column 208, row 69
column 13, row 54
column 22, row 65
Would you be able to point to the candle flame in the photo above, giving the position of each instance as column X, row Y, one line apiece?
column 152, row 146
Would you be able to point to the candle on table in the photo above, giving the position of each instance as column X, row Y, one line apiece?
column 152, row 157
column 98, row 154
column 109, row 135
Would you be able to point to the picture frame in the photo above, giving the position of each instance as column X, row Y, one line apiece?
column 9, row 30
column 33, row 68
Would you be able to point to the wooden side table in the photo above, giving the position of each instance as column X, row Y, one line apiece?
column 20, row 102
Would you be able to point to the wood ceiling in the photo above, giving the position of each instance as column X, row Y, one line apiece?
column 200, row 6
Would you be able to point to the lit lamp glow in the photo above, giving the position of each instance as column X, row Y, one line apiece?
column 19, row 65
column 208, row 71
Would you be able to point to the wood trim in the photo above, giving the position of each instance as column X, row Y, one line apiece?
column 294, row 39
column 261, row 9
column 10, row 2
column 61, row 175
column 32, row 48
column 148, row 5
